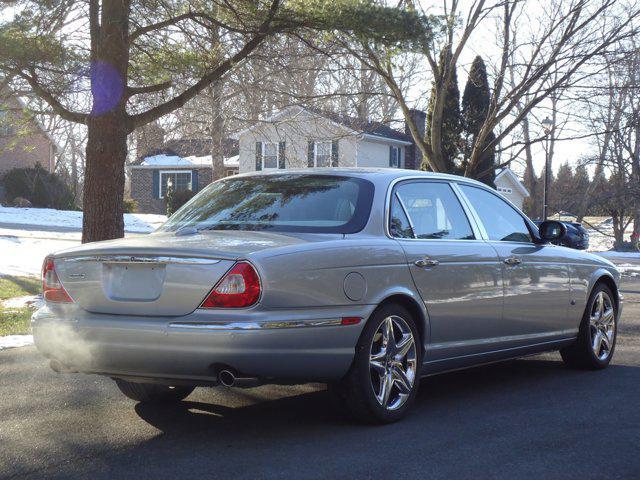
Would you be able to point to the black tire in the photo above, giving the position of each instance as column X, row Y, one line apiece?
column 355, row 392
column 153, row 393
column 582, row 353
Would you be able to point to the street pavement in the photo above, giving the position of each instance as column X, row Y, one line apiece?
column 530, row 418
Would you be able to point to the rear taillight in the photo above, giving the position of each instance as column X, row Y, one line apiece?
column 52, row 289
column 239, row 288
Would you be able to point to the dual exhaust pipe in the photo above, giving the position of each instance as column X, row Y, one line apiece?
column 229, row 379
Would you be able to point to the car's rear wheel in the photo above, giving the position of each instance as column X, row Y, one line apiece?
column 153, row 393
column 596, row 340
column 384, row 376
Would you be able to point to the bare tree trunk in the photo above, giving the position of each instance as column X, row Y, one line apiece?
column 108, row 124
column 104, row 179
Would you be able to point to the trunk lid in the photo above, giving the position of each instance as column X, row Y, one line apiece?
column 159, row 274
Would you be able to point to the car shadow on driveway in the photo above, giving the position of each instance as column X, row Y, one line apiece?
column 530, row 415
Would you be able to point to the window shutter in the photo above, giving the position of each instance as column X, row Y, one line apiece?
column 334, row 153
column 258, row 155
column 281, row 157
column 156, row 184
column 390, row 156
column 310, row 154
column 194, row 181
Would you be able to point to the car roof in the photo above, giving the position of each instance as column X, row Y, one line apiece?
column 377, row 174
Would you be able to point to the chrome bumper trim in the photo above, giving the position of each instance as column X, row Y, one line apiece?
column 266, row 325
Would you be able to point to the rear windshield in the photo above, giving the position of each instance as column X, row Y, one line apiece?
column 280, row 203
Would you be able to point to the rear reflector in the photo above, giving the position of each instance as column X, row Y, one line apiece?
column 239, row 288
column 52, row 289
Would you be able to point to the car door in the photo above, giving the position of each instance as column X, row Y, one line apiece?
column 536, row 276
column 457, row 274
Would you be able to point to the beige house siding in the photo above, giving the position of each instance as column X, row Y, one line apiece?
column 297, row 131
column 507, row 187
column 376, row 154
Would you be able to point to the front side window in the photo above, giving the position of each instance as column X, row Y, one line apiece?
column 322, row 154
column 433, row 211
column 281, row 203
column 269, row 155
column 179, row 181
column 501, row 221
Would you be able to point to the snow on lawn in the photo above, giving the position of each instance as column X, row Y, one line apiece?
column 28, row 301
column 47, row 217
column 13, row 341
column 24, row 256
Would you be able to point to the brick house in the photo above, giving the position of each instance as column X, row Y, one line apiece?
column 23, row 140
column 185, row 164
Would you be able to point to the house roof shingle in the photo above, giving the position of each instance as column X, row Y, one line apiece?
column 377, row 129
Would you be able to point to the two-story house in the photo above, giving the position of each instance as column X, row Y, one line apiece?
column 298, row 137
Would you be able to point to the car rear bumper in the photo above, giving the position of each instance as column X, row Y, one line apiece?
column 273, row 346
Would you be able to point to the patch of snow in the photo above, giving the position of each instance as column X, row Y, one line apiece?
column 164, row 160
column 47, row 217
column 24, row 256
column 28, row 301
column 13, row 341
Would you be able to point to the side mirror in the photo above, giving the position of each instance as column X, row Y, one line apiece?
column 551, row 230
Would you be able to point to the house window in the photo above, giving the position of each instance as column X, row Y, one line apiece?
column 322, row 154
column 179, row 180
column 269, row 155
column 505, row 190
column 395, row 157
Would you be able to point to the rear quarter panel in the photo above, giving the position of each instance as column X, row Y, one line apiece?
column 314, row 275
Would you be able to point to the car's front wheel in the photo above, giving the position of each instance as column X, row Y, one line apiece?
column 153, row 393
column 596, row 340
column 385, row 373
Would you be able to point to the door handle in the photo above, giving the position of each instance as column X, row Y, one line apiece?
column 512, row 261
column 426, row 262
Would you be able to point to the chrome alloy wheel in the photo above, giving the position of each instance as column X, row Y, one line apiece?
column 393, row 362
column 602, row 326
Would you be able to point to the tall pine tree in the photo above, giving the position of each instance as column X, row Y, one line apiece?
column 475, row 107
column 451, row 118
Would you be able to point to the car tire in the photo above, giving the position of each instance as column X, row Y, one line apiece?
column 597, row 334
column 153, row 393
column 378, row 368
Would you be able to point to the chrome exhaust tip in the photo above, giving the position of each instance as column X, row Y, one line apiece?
column 226, row 378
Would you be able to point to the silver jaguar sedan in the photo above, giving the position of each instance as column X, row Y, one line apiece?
column 366, row 280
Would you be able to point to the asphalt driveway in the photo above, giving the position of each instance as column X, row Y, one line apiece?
column 529, row 418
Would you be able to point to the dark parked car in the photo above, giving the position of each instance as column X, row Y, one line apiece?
column 576, row 237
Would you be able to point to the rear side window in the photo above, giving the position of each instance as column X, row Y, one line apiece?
column 432, row 210
column 400, row 226
column 501, row 221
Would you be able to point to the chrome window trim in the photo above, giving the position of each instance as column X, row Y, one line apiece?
column 387, row 217
column 471, row 212
column 263, row 325
column 143, row 259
